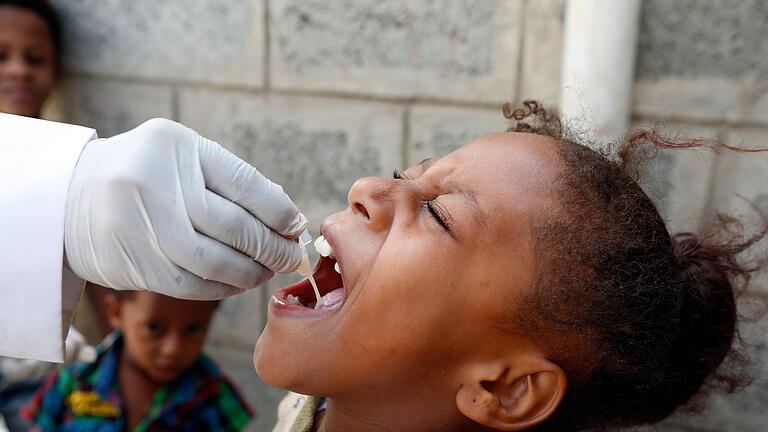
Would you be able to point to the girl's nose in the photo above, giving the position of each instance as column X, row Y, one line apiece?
column 371, row 199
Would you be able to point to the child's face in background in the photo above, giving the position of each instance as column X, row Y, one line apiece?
column 421, row 301
column 28, row 70
column 162, row 335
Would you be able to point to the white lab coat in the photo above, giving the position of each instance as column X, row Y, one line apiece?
column 37, row 293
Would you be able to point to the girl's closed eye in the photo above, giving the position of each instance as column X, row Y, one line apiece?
column 439, row 214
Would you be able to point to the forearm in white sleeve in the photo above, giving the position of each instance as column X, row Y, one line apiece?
column 37, row 294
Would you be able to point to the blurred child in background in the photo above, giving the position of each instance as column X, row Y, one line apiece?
column 30, row 55
column 149, row 375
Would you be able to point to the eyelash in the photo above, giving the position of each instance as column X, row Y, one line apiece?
column 434, row 210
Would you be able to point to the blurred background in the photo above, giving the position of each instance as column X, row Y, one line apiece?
column 316, row 93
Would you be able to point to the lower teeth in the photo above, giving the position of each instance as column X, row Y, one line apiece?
column 329, row 300
column 293, row 299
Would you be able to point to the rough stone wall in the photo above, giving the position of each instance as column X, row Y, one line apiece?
column 317, row 93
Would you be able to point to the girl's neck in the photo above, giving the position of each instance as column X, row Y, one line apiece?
column 337, row 420
column 404, row 415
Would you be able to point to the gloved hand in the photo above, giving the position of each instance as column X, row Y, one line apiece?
column 164, row 209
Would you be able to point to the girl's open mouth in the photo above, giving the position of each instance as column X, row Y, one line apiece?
column 300, row 298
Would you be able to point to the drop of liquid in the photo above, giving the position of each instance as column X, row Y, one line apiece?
column 317, row 291
column 305, row 269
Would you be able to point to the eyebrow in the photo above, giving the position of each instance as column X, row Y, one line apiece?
column 469, row 196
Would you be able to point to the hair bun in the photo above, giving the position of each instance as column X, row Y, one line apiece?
column 711, row 279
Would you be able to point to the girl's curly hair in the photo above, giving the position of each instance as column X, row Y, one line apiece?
column 642, row 319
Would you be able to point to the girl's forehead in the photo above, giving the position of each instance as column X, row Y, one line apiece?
column 510, row 146
column 509, row 178
column 509, row 166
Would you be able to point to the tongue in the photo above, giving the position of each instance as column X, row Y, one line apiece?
column 332, row 299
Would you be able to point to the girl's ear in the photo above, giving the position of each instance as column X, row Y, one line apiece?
column 512, row 398
column 112, row 307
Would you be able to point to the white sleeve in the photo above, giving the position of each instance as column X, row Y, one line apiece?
column 37, row 294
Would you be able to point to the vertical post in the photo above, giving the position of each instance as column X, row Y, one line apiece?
column 599, row 63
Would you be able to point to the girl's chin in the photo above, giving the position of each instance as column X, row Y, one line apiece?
column 279, row 362
column 283, row 368
column 266, row 365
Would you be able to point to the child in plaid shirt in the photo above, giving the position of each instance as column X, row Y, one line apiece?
column 150, row 375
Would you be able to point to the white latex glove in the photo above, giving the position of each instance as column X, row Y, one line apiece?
column 164, row 209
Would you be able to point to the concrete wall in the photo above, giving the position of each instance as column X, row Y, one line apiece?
column 317, row 93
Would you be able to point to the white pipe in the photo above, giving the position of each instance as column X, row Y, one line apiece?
column 600, row 43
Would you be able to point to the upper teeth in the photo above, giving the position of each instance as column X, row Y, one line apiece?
column 323, row 247
column 337, row 268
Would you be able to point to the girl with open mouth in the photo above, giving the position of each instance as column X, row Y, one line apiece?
column 522, row 282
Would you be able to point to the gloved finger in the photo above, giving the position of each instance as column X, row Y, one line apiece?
column 214, row 261
column 227, row 222
column 238, row 181
column 193, row 287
